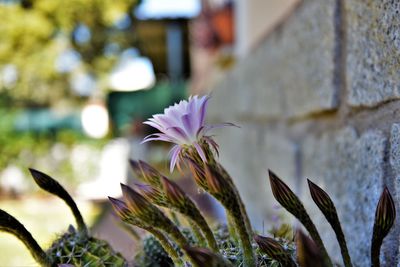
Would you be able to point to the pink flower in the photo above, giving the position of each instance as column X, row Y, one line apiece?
column 183, row 124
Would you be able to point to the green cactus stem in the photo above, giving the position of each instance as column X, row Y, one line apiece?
column 73, row 247
column 325, row 204
column 223, row 192
column 210, row 151
column 178, row 199
column 11, row 225
column 53, row 187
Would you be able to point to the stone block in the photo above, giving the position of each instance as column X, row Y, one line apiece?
column 350, row 169
column 305, row 47
column 373, row 51
column 290, row 73
column 247, row 153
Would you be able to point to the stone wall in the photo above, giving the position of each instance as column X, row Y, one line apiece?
column 320, row 99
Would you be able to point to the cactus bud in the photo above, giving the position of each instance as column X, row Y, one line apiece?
column 135, row 202
column 146, row 172
column 152, row 194
column 197, row 172
column 325, row 204
column 173, row 192
column 308, row 253
column 205, row 257
column 274, row 250
column 53, row 187
column 385, row 213
column 283, row 194
column 384, row 218
column 120, row 208
column 292, row 203
column 11, row 225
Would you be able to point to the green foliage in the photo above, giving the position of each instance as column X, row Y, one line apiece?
column 26, row 148
column 34, row 35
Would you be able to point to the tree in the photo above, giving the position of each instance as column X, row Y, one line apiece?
column 46, row 43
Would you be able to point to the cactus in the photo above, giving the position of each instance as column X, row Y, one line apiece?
column 160, row 207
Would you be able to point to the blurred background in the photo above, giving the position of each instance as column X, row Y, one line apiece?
column 77, row 79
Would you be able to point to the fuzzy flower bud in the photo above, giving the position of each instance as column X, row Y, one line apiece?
column 152, row 194
column 50, row 185
column 384, row 218
column 173, row 192
column 205, row 257
column 274, row 250
column 308, row 253
column 325, row 204
column 146, row 172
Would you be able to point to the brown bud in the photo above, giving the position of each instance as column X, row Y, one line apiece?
column 151, row 193
column 385, row 212
column 146, row 172
column 205, row 257
column 173, row 192
column 120, row 208
column 282, row 192
column 197, row 172
column 308, row 253
column 214, row 180
column 53, row 187
column 274, row 250
column 385, row 215
column 325, row 204
column 135, row 202
column 321, row 198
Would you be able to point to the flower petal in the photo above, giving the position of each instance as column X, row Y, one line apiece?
column 188, row 124
column 219, row 125
column 157, row 137
column 174, row 157
column 202, row 110
column 178, row 133
column 200, row 151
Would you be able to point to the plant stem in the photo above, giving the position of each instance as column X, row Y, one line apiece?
column 182, row 242
column 167, row 246
column 238, row 220
column 11, row 225
column 206, row 230
column 196, row 231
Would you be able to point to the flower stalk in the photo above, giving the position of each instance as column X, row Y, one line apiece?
column 53, row 187
column 292, row 204
column 11, row 225
column 150, row 214
column 166, row 193
column 325, row 204
column 219, row 188
column 122, row 210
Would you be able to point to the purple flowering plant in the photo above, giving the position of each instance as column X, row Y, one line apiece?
column 158, row 205
column 184, row 125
